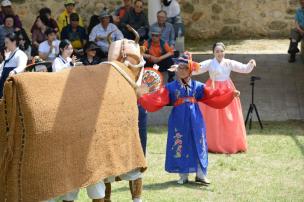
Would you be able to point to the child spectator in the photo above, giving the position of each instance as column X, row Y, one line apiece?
column 49, row 49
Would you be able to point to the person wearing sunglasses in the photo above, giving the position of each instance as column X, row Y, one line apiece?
column 158, row 52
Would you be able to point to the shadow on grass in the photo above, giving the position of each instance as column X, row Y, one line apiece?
column 166, row 185
column 298, row 143
column 173, row 184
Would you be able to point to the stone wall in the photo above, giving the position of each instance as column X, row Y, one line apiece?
column 203, row 18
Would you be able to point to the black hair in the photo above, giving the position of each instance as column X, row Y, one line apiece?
column 161, row 11
column 9, row 16
column 63, row 44
column 45, row 20
column 13, row 37
column 74, row 17
column 139, row 1
column 44, row 11
column 218, row 44
column 49, row 31
column 167, row 2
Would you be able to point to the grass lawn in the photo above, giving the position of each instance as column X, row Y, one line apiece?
column 271, row 170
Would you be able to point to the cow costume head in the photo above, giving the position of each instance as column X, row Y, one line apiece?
column 127, row 51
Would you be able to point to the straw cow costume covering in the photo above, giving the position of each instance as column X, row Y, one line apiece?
column 83, row 131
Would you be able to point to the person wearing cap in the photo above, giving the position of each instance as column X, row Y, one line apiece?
column 226, row 132
column 100, row 33
column 94, row 19
column 90, row 57
column 187, row 150
column 6, row 9
column 158, row 52
column 167, row 29
column 49, row 49
column 137, row 19
column 74, row 33
column 64, row 18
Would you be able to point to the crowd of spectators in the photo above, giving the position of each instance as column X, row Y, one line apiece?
column 90, row 43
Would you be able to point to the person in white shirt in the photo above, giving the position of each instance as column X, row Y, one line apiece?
column 100, row 32
column 64, row 60
column 49, row 48
column 173, row 16
column 173, row 10
column 15, row 59
column 225, row 128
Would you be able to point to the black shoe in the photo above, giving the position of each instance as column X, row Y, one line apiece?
column 292, row 58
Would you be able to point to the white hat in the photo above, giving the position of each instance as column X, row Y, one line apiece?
column 6, row 3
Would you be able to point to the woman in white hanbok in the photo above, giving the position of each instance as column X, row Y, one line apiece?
column 225, row 128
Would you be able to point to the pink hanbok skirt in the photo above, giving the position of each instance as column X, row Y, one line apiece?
column 225, row 128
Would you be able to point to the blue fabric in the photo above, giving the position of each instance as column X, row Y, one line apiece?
column 186, row 143
column 67, row 33
column 142, row 126
column 167, row 33
column 4, row 75
column 300, row 17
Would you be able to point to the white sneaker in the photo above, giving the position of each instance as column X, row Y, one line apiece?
column 182, row 180
column 137, row 200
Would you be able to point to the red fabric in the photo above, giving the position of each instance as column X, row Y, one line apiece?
column 155, row 101
column 218, row 98
column 180, row 101
column 155, row 49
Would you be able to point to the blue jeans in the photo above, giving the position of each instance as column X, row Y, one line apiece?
column 142, row 126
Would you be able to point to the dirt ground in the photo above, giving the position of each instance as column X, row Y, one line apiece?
column 251, row 46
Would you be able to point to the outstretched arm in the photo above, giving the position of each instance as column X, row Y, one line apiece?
column 204, row 66
column 155, row 101
column 218, row 98
column 242, row 68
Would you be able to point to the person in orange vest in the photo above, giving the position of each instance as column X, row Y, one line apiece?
column 159, row 52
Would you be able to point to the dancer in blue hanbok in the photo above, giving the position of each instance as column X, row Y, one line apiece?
column 187, row 150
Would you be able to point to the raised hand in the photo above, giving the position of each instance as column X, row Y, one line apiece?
column 141, row 90
column 252, row 61
column 236, row 93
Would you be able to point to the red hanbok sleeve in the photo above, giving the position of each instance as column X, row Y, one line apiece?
column 218, row 98
column 155, row 101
